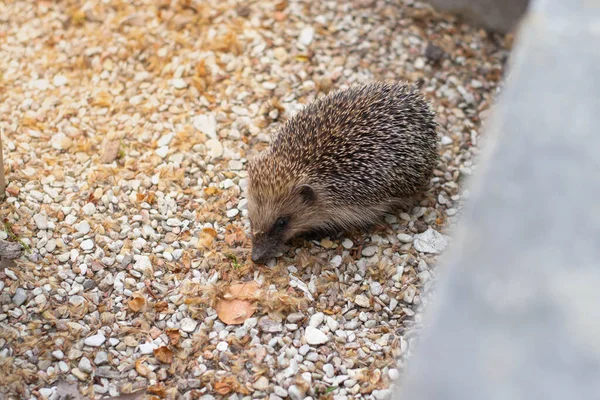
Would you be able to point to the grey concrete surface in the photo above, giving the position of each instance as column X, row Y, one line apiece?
column 517, row 314
column 496, row 15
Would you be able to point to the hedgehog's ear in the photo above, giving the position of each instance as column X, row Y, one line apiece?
column 307, row 193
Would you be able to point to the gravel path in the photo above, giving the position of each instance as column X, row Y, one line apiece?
column 126, row 129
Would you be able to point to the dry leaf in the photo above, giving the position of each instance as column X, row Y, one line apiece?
column 141, row 368
column 164, row 355
column 223, row 387
column 110, row 152
column 236, row 308
column 136, row 303
column 174, row 335
column 161, row 306
column 158, row 390
column 237, row 237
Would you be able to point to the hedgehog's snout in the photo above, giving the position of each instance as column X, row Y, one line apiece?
column 262, row 250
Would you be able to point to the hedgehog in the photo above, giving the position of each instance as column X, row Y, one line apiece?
column 340, row 164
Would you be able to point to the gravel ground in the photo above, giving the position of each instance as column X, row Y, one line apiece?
column 126, row 129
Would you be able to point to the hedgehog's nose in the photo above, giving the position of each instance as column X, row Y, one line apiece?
column 258, row 256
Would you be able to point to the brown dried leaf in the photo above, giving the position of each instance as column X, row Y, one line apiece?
column 237, row 305
column 137, row 303
column 110, row 152
column 164, row 355
column 141, row 368
column 174, row 335
column 158, row 390
column 161, row 306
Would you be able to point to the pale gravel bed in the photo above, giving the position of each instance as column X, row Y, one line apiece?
column 182, row 93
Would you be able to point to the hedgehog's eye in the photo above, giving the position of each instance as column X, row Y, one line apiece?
column 281, row 223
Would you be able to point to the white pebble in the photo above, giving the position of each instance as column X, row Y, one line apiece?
column 162, row 151
column 430, row 241
column 89, row 209
column 188, row 325
column 83, row 227
column 147, row 348
column 404, row 237
column 232, row 212
column 206, row 124
column 314, row 336
column 306, row 35
column 87, row 244
column 222, row 346
column 316, row 320
column 336, row 261
column 362, row 301
column 95, row 341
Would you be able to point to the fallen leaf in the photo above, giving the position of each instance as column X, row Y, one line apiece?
column 158, row 390
column 161, row 306
column 141, row 368
column 237, row 237
column 211, row 190
column 110, row 152
column 164, row 355
column 174, row 335
column 223, row 388
column 237, row 305
column 136, row 303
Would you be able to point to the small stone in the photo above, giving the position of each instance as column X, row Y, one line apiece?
column 314, row 336
column 89, row 209
column 142, row 263
column 232, row 212
column 430, row 241
column 79, row 374
column 19, row 297
column 376, row 288
column 40, row 299
column 206, row 124
column 188, row 325
column 222, row 346
column 261, row 384
column 165, row 140
column 87, row 244
column 214, row 148
column 404, row 237
column 362, row 301
column 382, row 394
column 295, row 393
column 174, row 222
column 446, row 140
column 59, row 80
column 101, row 358
column 83, row 227
column 95, row 340
column 336, row 261
column 369, row 251
column 306, row 35
column 279, row 391
column 179, row 83
column 162, row 151
column 58, row 354
column 268, row 325
column 40, row 221
column 394, row 374
column 332, row 324
column 434, row 53
column 329, row 370
column 148, row 348
column 46, row 393
column 60, row 141
column 85, row 365
column 316, row 320
column 347, row 244
column 295, row 317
